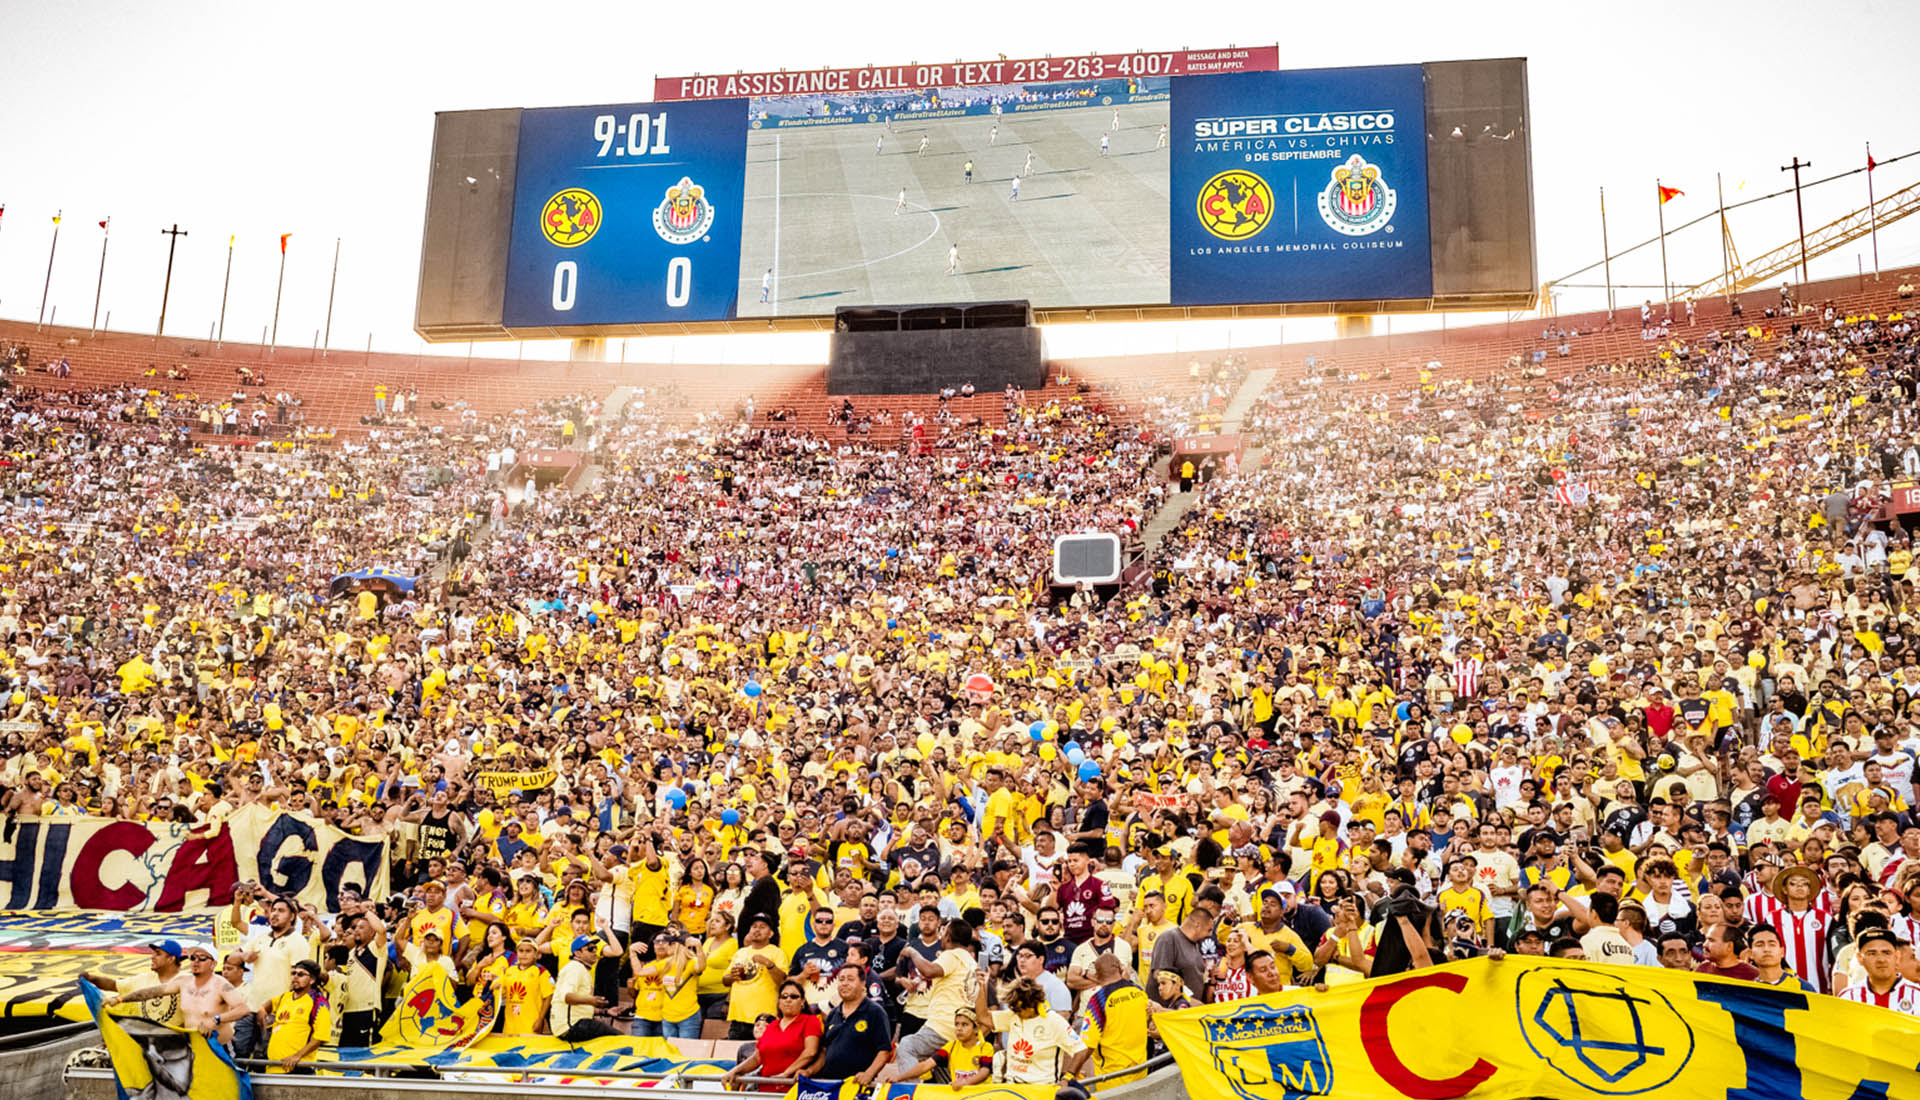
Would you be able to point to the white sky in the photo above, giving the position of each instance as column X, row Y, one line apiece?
column 256, row 119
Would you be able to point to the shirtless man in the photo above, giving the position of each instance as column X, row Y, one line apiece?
column 202, row 992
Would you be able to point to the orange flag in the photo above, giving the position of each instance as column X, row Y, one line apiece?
column 283, row 243
column 1667, row 193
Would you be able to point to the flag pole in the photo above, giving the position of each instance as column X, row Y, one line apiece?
column 1606, row 252
column 166, row 289
column 1873, row 216
column 1666, row 285
column 278, row 287
column 1726, row 253
column 48, row 285
column 224, row 284
column 332, row 283
column 105, row 232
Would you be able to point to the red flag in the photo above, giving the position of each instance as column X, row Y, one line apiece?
column 1669, row 193
column 1871, row 163
column 283, row 243
column 103, row 224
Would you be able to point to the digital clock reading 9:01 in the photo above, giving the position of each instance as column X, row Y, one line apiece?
column 641, row 225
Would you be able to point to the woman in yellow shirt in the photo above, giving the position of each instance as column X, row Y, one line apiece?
column 716, row 953
column 666, row 990
column 527, row 916
column 694, row 900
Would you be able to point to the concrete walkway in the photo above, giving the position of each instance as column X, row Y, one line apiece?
column 1174, row 511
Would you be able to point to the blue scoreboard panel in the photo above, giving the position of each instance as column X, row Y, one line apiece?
column 627, row 214
column 1300, row 186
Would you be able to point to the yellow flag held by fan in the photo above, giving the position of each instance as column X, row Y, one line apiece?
column 430, row 1017
column 151, row 1059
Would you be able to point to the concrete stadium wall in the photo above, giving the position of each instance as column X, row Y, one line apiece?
column 33, row 1072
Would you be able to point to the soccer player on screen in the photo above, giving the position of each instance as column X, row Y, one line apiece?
column 993, row 135
column 953, row 258
column 1104, row 139
column 878, row 141
column 900, row 204
column 1027, row 168
column 1015, row 193
column 766, row 286
column 968, row 169
column 923, row 146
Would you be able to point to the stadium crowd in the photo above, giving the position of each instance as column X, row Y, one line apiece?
column 1620, row 664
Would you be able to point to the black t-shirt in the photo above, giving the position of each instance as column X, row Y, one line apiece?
column 849, row 1041
column 1059, row 953
column 1094, row 817
column 927, row 855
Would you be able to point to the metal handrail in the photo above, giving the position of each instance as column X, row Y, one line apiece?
column 382, row 1069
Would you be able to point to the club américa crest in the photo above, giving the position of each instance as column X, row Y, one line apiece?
column 684, row 215
column 1357, row 201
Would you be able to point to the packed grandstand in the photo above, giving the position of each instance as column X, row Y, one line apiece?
column 756, row 717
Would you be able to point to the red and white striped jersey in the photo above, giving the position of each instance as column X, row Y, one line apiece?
column 1804, row 936
column 1903, row 997
column 1905, row 927
column 1466, row 676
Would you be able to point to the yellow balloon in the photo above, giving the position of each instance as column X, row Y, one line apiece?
column 1142, row 680
column 839, row 660
column 1107, row 724
column 1119, row 737
column 1050, row 731
column 1049, row 750
column 1126, row 696
column 925, row 742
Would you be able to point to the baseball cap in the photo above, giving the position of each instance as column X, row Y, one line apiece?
column 1876, row 935
column 584, row 943
column 170, row 947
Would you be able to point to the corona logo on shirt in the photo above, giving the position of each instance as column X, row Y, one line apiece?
column 685, row 215
column 1268, row 1053
column 1235, row 205
column 1357, row 200
column 571, row 217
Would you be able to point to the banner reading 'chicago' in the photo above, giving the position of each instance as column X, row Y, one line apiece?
column 101, row 863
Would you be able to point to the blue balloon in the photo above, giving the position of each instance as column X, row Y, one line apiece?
column 1090, row 769
column 753, row 689
column 892, row 553
column 1076, row 755
column 729, row 817
column 676, row 798
column 891, row 623
column 1037, row 731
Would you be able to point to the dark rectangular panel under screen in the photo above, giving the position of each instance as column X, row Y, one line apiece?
column 469, row 211
column 1480, row 180
column 1086, row 558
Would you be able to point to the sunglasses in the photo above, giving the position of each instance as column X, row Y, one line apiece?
column 200, row 958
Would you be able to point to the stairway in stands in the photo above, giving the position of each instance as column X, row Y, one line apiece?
column 1178, row 503
column 609, row 413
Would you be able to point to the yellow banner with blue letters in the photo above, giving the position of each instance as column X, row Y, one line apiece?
column 1512, row 1028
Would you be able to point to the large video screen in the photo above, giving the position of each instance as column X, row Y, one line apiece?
column 1189, row 179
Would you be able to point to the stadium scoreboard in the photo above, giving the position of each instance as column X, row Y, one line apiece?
column 1191, row 183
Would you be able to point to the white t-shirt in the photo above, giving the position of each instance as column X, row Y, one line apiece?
column 1036, row 1048
column 273, row 971
column 574, row 979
